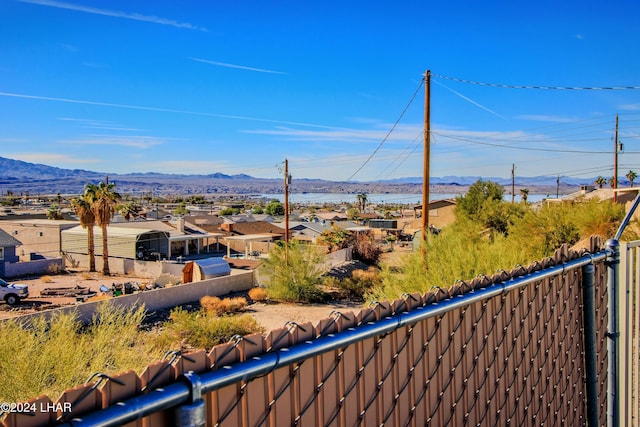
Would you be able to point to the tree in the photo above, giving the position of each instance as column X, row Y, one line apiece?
column 274, row 208
column 82, row 207
column 353, row 214
column 631, row 176
column 128, row 210
column 362, row 201
column 611, row 181
column 54, row 212
column 600, row 181
column 104, row 199
column 524, row 193
column 481, row 191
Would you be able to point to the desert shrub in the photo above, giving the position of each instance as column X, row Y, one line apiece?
column 356, row 286
column 50, row 357
column 293, row 274
column 258, row 294
column 202, row 330
column 364, row 248
column 218, row 306
column 46, row 279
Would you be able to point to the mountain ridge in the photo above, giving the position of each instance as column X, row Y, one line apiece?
column 20, row 176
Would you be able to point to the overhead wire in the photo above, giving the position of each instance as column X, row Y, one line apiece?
column 413, row 97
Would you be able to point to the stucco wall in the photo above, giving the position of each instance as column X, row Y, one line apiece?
column 158, row 299
column 40, row 266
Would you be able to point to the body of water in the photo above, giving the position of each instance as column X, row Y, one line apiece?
column 388, row 198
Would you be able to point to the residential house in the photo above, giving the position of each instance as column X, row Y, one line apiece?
column 40, row 237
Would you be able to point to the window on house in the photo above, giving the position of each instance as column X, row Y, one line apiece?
column 1, row 253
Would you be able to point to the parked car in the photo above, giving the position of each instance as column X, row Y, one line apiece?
column 12, row 293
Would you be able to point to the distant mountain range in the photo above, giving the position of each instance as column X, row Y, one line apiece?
column 19, row 177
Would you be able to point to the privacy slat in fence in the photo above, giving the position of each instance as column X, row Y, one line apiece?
column 484, row 353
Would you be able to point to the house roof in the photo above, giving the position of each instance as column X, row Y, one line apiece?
column 257, row 227
column 7, row 240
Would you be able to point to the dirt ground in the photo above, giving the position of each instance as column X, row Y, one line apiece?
column 270, row 316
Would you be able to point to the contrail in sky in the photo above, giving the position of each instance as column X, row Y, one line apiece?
column 163, row 110
column 241, row 67
column 114, row 13
column 470, row 100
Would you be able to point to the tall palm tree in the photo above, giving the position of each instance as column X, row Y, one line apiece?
column 105, row 199
column 600, row 181
column 82, row 207
column 631, row 176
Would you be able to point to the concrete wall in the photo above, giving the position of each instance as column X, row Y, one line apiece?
column 128, row 266
column 35, row 267
column 158, row 299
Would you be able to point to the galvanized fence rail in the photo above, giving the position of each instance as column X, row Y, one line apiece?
column 503, row 350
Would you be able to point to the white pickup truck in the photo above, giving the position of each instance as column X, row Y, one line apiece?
column 13, row 293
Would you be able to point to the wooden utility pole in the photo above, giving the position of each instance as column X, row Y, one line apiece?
column 513, row 182
column 287, row 178
column 615, row 164
column 426, row 160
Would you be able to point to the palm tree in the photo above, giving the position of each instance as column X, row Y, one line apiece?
column 82, row 207
column 103, row 206
column 128, row 210
column 631, row 175
column 611, row 181
column 54, row 212
column 524, row 193
column 600, row 181
column 362, row 201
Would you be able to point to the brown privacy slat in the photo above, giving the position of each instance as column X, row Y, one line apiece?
column 119, row 388
column 195, row 361
column 220, row 402
column 514, row 359
column 154, row 376
column 84, row 399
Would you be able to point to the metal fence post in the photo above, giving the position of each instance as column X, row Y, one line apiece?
column 613, row 332
column 192, row 414
column 590, row 352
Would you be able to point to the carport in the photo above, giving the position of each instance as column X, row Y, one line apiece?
column 122, row 242
column 248, row 240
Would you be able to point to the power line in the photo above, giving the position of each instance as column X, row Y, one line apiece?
column 390, row 130
column 506, row 86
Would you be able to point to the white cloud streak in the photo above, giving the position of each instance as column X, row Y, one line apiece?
column 240, row 67
column 115, row 14
column 52, row 158
column 544, row 118
column 143, row 142
column 158, row 109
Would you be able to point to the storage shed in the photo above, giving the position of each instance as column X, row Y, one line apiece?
column 208, row 268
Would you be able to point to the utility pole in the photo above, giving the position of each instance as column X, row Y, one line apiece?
column 513, row 182
column 287, row 179
column 425, row 163
column 558, row 187
column 615, row 164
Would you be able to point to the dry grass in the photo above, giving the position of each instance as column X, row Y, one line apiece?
column 46, row 279
column 50, row 357
column 222, row 306
column 258, row 294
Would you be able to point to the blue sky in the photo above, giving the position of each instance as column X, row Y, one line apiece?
column 237, row 87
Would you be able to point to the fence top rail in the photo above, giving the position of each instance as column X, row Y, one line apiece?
column 180, row 392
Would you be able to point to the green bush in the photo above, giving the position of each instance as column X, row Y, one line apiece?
column 202, row 330
column 293, row 274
